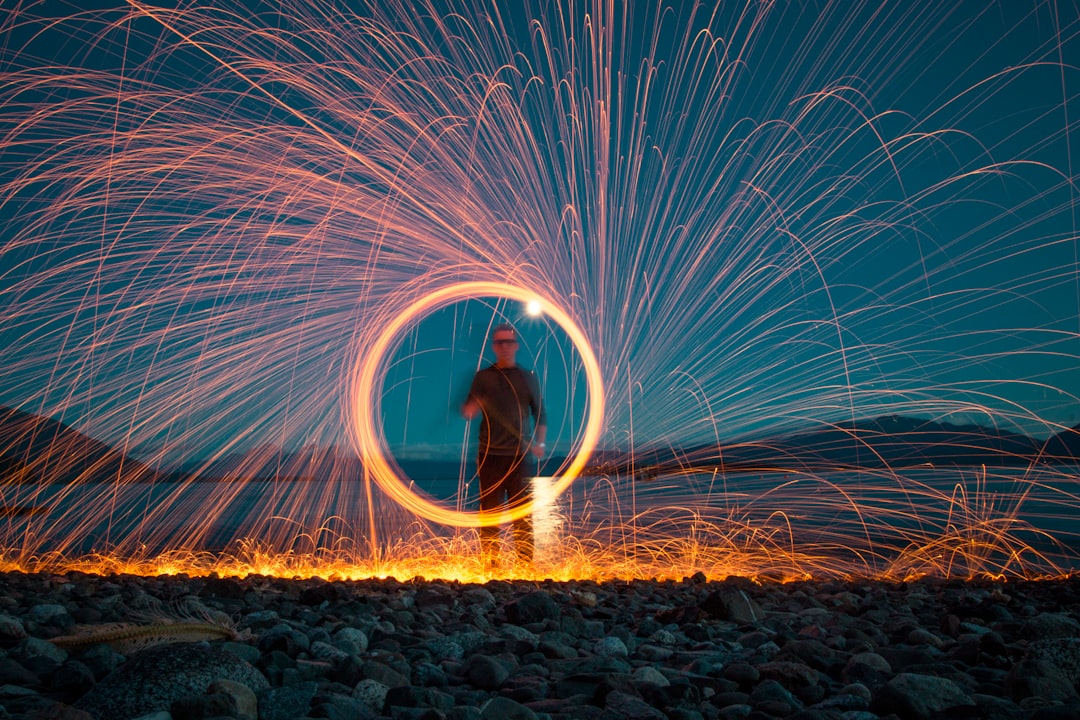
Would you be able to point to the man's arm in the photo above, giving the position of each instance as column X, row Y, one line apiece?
column 539, row 445
column 472, row 406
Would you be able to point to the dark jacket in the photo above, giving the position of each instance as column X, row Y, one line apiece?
column 506, row 398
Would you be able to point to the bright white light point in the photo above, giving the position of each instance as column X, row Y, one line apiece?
column 533, row 307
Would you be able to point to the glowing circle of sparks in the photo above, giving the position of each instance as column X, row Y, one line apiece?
column 365, row 406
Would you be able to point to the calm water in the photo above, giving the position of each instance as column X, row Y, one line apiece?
column 846, row 508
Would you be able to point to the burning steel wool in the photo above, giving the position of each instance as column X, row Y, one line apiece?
column 800, row 286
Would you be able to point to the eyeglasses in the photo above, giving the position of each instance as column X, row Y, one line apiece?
column 504, row 342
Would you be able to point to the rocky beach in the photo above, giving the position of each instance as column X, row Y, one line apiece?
column 81, row 646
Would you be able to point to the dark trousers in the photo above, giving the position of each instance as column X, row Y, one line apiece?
column 503, row 485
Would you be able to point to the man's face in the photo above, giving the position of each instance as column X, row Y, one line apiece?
column 505, row 344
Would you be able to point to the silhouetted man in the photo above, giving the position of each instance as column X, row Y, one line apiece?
column 505, row 396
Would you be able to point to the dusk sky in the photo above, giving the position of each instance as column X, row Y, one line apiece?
column 763, row 216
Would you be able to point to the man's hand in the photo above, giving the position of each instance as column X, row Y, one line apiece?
column 469, row 409
column 538, row 449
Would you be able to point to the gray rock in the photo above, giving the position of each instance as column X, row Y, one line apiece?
column 101, row 659
column 223, row 698
column 260, row 619
column 743, row 673
column 655, row 654
column 1068, row 711
column 631, row 707
column 245, row 700
column 766, row 652
column 427, row 674
column 11, row 629
column 610, row 646
column 464, row 712
column 33, row 648
column 601, row 664
column 71, row 681
column 734, row 604
column 867, row 668
column 708, row 665
column 486, row 672
column 443, row 648
column 533, row 607
column 528, row 640
column 409, row 696
column 339, row 707
column 479, row 598
column 325, row 651
column 287, row 703
column 857, row 689
column 1049, row 626
column 1064, row 653
column 243, row 651
column 649, row 674
column 575, row 684
column 1038, row 678
column 153, row 679
column 992, row 707
column 13, row 673
column 735, row 712
column 553, row 649
column 663, row 637
column 919, row 697
column 772, row 697
column 922, row 636
column 284, row 638
column 43, row 708
column 684, row 713
column 592, row 629
column 470, row 641
column 501, row 708
column 388, row 676
column 843, row 702
column 754, row 638
column 14, row 692
column 371, row 694
column 47, row 614
column 351, row 640
column 309, row 670
column 901, row 657
column 791, row 675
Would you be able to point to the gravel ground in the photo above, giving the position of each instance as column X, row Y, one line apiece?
column 276, row 649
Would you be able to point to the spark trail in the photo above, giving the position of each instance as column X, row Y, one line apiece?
column 759, row 219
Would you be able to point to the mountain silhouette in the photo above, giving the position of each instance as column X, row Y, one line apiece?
column 892, row 441
column 36, row 449
column 1065, row 444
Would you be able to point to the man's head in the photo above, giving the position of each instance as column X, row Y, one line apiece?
column 505, row 343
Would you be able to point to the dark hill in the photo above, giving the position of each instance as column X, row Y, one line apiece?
column 35, row 448
column 885, row 442
column 894, row 440
column 272, row 462
column 1065, row 444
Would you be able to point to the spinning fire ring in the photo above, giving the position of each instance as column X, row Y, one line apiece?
column 367, row 429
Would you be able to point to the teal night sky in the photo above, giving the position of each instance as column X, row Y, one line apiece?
column 763, row 216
